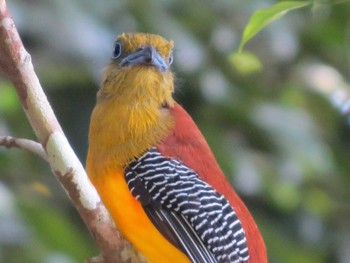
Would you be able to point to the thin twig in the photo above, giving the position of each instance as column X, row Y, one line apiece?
column 29, row 145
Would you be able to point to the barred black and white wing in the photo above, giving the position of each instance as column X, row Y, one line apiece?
column 186, row 210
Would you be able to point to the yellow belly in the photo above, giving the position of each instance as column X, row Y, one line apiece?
column 132, row 221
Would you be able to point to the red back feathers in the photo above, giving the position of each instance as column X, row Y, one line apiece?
column 186, row 143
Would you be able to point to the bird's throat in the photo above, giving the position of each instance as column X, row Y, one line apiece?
column 123, row 127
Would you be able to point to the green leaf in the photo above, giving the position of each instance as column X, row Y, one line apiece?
column 263, row 17
column 245, row 62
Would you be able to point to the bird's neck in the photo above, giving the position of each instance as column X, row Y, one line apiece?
column 125, row 124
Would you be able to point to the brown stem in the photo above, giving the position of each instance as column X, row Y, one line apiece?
column 15, row 62
column 29, row 145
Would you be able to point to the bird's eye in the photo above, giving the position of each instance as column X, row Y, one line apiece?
column 117, row 50
column 170, row 59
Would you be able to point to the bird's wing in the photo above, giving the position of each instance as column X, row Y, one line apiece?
column 186, row 143
column 186, row 210
column 180, row 233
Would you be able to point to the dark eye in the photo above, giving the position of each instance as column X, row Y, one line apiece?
column 170, row 59
column 117, row 50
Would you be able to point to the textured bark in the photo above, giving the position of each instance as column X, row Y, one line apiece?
column 15, row 62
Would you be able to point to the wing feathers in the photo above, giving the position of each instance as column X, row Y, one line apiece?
column 186, row 210
column 181, row 235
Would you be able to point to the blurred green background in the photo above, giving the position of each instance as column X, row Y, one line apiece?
column 277, row 119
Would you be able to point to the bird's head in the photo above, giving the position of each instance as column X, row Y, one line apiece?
column 132, row 112
column 143, row 50
column 140, row 70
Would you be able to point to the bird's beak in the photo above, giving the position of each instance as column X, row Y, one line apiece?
column 145, row 55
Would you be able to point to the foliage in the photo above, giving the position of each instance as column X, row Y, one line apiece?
column 263, row 17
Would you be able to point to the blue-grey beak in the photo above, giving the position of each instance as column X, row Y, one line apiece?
column 145, row 55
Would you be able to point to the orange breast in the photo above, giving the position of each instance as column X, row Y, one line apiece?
column 133, row 222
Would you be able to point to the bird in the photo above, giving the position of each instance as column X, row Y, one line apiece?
column 153, row 169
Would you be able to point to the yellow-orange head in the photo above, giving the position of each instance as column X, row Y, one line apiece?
column 131, row 113
column 139, row 60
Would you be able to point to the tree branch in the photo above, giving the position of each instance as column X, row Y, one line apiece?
column 15, row 62
column 29, row 145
